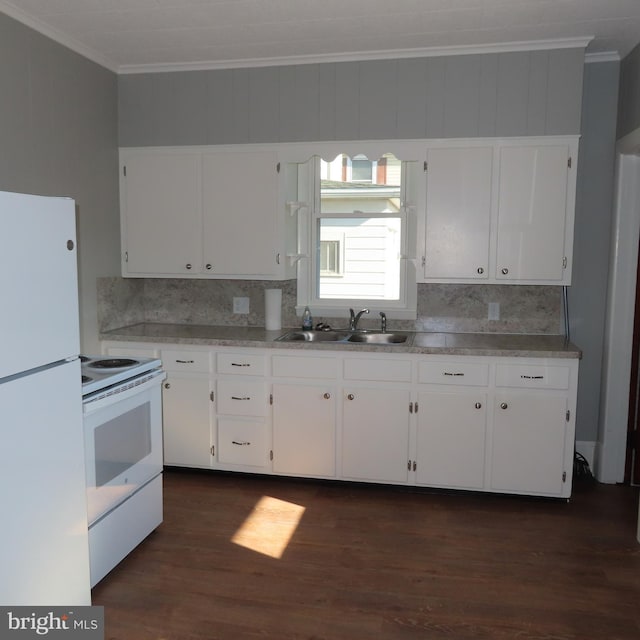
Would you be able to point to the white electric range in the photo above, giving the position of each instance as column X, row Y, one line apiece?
column 122, row 422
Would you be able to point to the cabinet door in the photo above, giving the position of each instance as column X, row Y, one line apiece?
column 304, row 419
column 532, row 212
column 240, row 200
column 528, row 443
column 451, row 439
column 375, row 434
column 458, row 213
column 161, row 214
column 186, row 420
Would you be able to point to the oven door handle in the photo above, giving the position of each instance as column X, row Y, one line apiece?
column 120, row 392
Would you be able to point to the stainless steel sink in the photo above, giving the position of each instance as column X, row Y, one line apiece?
column 378, row 338
column 344, row 337
column 314, row 336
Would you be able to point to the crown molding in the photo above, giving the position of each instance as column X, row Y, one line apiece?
column 602, row 56
column 55, row 35
column 359, row 56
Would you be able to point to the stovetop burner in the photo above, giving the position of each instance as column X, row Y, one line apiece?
column 113, row 363
column 99, row 372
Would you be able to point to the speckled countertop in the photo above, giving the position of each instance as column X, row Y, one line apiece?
column 460, row 344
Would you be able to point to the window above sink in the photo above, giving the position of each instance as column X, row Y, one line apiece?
column 355, row 235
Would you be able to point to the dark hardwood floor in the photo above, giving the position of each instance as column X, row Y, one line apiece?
column 369, row 562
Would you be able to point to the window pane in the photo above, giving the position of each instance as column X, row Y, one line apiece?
column 368, row 190
column 370, row 267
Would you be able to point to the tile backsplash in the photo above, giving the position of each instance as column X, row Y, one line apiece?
column 441, row 307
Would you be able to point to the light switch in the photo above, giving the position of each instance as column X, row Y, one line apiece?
column 241, row 305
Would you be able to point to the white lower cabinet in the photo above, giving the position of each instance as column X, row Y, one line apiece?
column 450, row 439
column 186, row 407
column 242, row 412
column 243, row 442
column 528, row 448
column 482, row 423
column 304, row 428
column 375, row 434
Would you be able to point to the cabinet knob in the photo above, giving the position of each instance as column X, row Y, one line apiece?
column 188, row 265
column 208, row 267
column 480, row 270
column 503, row 405
column 478, row 405
column 326, row 396
column 505, row 271
column 350, row 396
column 167, row 385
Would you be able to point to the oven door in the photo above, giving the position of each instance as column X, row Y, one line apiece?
column 123, row 445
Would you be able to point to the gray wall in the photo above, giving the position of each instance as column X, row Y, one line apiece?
column 594, row 201
column 506, row 94
column 629, row 97
column 58, row 136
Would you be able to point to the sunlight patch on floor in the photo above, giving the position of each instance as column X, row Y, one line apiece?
column 269, row 527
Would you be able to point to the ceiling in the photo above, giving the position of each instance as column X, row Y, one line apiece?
column 138, row 35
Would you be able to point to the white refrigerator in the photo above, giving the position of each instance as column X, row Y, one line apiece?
column 44, row 551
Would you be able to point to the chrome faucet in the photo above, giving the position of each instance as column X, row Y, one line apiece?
column 355, row 317
column 383, row 322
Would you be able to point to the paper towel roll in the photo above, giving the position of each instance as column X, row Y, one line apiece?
column 273, row 309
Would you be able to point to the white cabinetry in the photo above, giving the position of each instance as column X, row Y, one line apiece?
column 496, row 424
column 533, row 428
column 535, row 223
column 304, row 415
column 375, row 418
column 458, row 212
column 161, row 219
column 451, row 423
column 186, row 408
column 205, row 212
column 500, row 211
column 241, row 404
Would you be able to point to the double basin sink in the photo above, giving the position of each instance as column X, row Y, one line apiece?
column 346, row 337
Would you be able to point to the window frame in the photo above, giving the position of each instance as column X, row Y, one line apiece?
column 308, row 269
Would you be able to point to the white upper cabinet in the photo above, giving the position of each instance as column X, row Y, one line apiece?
column 240, row 221
column 203, row 212
column 532, row 213
column 500, row 211
column 161, row 213
column 458, row 212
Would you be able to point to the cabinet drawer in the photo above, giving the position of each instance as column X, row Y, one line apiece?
column 305, row 367
column 176, row 360
column 241, row 398
column 532, row 376
column 384, row 370
column 243, row 442
column 241, row 363
column 473, row 374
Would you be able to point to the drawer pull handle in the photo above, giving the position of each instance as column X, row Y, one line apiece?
column 478, row 405
column 240, row 364
column 185, row 361
column 237, row 398
column 449, row 373
column 326, row 396
column 532, row 377
column 504, row 405
column 350, row 396
column 167, row 385
column 240, row 444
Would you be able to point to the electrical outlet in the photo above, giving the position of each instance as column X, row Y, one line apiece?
column 494, row 311
column 241, row 305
